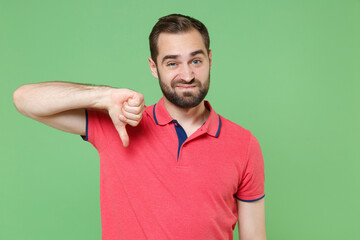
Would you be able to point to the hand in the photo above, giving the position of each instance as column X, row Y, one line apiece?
column 126, row 107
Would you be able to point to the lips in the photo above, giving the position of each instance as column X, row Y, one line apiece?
column 182, row 84
column 185, row 86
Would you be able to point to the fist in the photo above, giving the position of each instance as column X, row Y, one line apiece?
column 132, row 109
column 126, row 107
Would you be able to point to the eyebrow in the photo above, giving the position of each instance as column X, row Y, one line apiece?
column 192, row 54
column 200, row 51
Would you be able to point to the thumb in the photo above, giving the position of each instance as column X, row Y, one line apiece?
column 123, row 134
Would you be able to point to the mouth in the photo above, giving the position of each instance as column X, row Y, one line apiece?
column 186, row 86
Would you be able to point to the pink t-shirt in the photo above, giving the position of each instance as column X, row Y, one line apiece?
column 155, row 190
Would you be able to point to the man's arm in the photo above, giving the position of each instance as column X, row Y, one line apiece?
column 61, row 105
column 251, row 217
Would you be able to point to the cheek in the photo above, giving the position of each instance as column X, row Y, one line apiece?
column 174, row 75
column 168, row 75
column 201, row 72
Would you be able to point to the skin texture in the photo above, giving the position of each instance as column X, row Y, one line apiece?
column 61, row 105
column 183, row 66
column 185, row 75
column 251, row 218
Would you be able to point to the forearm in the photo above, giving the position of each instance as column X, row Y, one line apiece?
column 60, row 105
column 49, row 98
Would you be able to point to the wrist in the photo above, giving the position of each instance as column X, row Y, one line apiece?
column 102, row 97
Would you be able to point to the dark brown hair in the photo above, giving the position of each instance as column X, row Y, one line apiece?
column 176, row 23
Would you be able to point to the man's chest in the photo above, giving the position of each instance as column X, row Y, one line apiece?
column 201, row 167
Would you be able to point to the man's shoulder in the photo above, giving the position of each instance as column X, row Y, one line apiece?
column 231, row 125
column 233, row 129
column 148, row 114
column 149, row 110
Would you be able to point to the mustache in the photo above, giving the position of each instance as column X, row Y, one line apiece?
column 183, row 82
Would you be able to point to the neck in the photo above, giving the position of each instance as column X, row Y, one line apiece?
column 189, row 118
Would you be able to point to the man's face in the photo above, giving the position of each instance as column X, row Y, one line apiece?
column 183, row 68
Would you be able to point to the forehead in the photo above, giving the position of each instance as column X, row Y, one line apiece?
column 180, row 43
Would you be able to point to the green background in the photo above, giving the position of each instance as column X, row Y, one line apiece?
column 287, row 70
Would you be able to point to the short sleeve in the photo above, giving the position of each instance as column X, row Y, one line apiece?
column 251, row 187
column 98, row 125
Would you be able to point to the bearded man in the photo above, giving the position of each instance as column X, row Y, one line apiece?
column 188, row 173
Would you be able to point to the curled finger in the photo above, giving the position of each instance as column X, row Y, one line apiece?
column 132, row 123
column 135, row 110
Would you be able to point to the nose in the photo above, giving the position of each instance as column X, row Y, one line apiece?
column 187, row 73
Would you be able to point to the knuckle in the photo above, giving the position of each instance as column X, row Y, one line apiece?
column 132, row 123
column 135, row 117
column 137, row 110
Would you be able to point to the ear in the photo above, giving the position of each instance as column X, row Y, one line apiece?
column 153, row 69
column 210, row 58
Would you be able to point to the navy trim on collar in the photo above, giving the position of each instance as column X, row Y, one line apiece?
column 161, row 117
column 218, row 131
column 155, row 115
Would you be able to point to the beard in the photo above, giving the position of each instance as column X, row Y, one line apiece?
column 185, row 99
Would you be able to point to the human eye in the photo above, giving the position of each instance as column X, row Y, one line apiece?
column 171, row 64
column 196, row 61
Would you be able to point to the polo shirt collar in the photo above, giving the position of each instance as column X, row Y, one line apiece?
column 162, row 117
